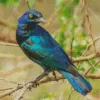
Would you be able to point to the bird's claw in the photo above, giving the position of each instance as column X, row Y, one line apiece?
column 35, row 85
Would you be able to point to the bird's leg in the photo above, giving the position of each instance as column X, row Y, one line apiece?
column 47, row 70
column 54, row 74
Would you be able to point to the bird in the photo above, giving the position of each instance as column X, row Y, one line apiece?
column 40, row 47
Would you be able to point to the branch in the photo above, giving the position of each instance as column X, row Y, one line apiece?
column 6, row 89
column 71, row 53
column 8, row 38
column 88, row 47
column 86, row 58
column 6, row 24
column 9, row 44
column 28, row 85
column 71, row 91
column 22, row 92
column 39, row 80
column 91, row 76
column 27, row 2
column 9, row 81
column 87, row 18
column 29, row 65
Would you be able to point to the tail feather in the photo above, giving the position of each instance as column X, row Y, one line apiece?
column 79, row 83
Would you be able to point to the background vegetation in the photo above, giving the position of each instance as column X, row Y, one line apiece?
column 74, row 24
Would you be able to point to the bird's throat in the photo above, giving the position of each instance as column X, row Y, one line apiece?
column 30, row 26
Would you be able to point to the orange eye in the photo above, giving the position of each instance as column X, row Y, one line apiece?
column 30, row 15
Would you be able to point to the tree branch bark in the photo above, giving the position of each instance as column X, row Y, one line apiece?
column 39, row 80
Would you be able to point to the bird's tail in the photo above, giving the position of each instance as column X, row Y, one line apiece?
column 79, row 83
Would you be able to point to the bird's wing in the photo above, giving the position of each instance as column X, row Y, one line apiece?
column 51, row 55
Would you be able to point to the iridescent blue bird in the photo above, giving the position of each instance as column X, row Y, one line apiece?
column 41, row 48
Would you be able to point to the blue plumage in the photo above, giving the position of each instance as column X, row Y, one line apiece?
column 41, row 48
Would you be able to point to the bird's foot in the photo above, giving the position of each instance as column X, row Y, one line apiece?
column 35, row 85
column 47, row 71
column 53, row 73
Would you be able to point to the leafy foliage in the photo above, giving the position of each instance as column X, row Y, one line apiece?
column 75, row 1
column 69, row 30
column 31, row 2
column 67, row 12
column 8, row 2
column 14, row 2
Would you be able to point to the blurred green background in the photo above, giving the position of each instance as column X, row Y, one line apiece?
column 67, row 25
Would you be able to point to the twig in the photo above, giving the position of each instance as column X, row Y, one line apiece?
column 6, row 89
column 71, row 53
column 9, row 81
column 86, row 58
column 87, row 71
column 69, row 97
column 88, row 47
column 9, row 44
column 91, row 68
column 22, row 92
column 9, row 92
column 28, row 85
column 89, row 24
column 93, row 76
column 97, row 62
column 27, row 2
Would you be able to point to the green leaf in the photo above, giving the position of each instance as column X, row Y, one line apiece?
column 8, row 2
column 74, row 28
column 67, row 12
column 14, row 2
column 76, row 1
column 31, row 2
column 3, row 2
column 62, row 39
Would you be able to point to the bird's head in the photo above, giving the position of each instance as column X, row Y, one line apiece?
column 30, row 18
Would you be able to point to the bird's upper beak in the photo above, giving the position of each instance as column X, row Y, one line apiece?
column 39, row 20
column 42, row 20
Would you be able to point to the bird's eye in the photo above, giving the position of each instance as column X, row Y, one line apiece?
column 30, row 15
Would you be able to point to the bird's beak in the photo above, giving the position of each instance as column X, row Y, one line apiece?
column 42, row 20
column 38, row 20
